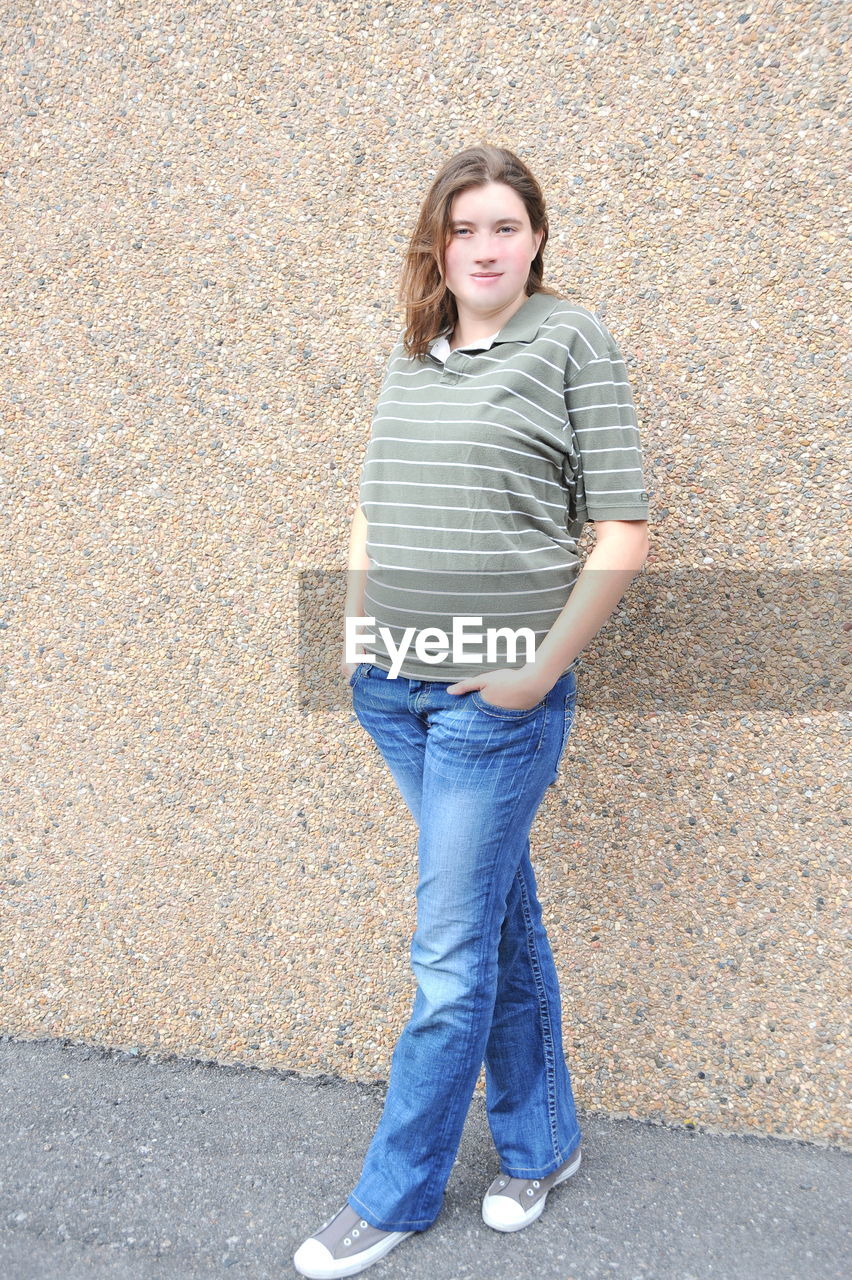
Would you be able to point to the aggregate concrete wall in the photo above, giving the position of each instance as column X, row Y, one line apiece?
column 205, row 208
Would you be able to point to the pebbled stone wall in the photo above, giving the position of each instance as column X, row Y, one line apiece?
column 204, row 212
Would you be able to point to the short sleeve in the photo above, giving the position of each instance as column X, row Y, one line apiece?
column 605, row 450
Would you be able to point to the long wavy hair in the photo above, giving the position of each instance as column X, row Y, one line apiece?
column 430, row 307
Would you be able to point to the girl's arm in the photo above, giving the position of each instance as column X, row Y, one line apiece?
column 618, row 555
column 620, row 552
column 358, row 558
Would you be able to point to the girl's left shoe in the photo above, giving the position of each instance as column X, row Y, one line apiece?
column 512, row 1203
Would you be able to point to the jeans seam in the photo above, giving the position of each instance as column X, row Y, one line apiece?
column 544, row 1018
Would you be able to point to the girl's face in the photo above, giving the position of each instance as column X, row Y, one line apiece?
column 491, row 246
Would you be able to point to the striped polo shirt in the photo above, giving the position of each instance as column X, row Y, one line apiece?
column 483, row 465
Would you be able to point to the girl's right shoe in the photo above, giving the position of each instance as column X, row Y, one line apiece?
column 343, row 1246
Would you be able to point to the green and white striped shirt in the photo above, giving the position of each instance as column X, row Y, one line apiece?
column 483, row 465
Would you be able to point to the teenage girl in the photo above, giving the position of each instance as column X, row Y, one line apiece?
column 504, row 423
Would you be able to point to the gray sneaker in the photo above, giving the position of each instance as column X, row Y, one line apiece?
column 512, row 1203
column 343, row 1246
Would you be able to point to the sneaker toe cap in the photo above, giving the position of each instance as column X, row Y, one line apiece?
column 313, row 1256
column 503, row 1211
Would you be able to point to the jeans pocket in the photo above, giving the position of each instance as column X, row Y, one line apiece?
column 356, row 674
column 504, row 713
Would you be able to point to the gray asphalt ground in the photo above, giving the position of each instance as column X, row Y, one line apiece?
column 113, row 1165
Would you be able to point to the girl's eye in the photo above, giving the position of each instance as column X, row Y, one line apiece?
column 460, row 230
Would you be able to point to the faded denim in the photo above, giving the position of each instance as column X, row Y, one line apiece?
column 473, row 775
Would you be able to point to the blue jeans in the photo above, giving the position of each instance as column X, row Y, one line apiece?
column 473, row 775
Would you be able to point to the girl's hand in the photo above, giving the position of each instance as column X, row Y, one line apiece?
column 515, row 689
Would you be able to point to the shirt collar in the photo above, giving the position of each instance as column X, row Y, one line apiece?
column 440, row 347
column 520, row 327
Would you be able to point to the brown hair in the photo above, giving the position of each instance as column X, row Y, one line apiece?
column 430, row 308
